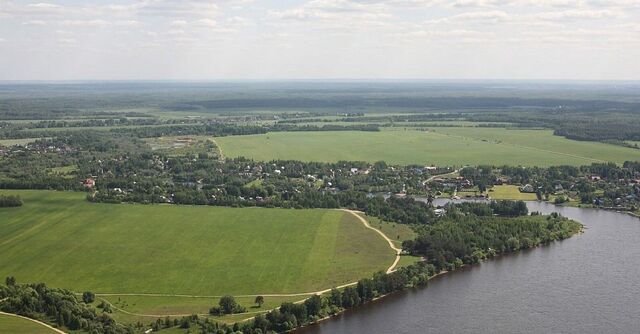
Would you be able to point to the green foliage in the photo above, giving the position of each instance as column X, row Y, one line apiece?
column 88, row 297
column 259, row 301
column 449, row 243
column 7, row 201
column 60, row 306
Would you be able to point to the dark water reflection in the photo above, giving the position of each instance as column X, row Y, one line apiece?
column 587, row 284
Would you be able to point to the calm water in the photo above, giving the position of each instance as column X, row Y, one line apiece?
column 587, row 284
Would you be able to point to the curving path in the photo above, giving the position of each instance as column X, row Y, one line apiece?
column 398, row 251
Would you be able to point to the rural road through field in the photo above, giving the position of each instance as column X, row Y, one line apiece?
column 33, row 320
column 396, row 249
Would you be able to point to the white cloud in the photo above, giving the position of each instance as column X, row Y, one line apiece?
column 377, row 34
column 67, row 41
column 128, row 23
column 178, row 23
column 34, row 23
column 207, row 22
column 85, row 23
column 579, row 14
column 487, row 16
column 43, row 5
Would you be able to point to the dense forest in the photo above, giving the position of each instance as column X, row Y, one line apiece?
column 470, row 233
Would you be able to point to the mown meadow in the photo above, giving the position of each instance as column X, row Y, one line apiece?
column 183, row 250
column 440, row 146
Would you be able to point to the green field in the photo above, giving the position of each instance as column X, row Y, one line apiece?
column 21, row 142
column 510, row 192
column 147, row 308
column 396, row 232
column 441, row 146
column 65, row 241
column 15, row 325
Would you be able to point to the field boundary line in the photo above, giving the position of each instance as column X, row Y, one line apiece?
column 34, row 320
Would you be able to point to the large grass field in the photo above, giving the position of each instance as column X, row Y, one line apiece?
column 15, row 325
column 65, row 241
column 441, row 146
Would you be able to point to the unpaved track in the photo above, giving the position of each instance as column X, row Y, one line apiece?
column 398, row 251
column 357, row 214
column 33, row 320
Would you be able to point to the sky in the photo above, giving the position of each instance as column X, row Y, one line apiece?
column 320, row 39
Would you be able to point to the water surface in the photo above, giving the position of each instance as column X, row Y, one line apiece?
column 589, row 283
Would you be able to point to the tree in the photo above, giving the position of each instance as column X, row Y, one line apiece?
column 313, row 305
column 88, row 297
column 228, row 304
column 335, row 297
column 10, row 281
column 259, row 301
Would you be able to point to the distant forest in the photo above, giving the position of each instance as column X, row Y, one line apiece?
column 581, row 111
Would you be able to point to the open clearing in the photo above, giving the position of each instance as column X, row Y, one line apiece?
column 15, row 325
column 65, row 241
column 440, row 146
column 510, row 192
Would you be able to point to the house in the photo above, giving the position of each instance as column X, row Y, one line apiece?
column 595, row 178
column 439, row 212
column 89, row 183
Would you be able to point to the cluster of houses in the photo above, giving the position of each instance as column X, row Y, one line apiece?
column 38, row 147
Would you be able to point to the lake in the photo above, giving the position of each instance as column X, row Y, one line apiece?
column 589, row 283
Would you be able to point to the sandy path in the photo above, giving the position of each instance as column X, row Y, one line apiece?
column 398, row 251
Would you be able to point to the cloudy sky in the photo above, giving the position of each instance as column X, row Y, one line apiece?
column 304, row 39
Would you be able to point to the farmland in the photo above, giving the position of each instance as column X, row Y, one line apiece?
column 183, row 250
column 15, row 325
column 441, row 146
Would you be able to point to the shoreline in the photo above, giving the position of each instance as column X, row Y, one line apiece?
column 441, row 273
